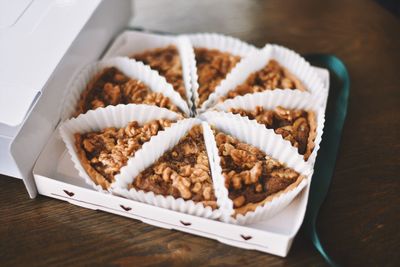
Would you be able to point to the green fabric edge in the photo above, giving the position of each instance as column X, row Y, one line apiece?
column 329, row 147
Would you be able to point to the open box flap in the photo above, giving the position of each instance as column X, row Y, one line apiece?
column 34, row 37
column 67, row 35
column 15, row 102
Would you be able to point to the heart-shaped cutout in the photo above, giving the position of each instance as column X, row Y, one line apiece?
column 185, row 223
column 246, row 237
column 70, row 194
column 125, row 208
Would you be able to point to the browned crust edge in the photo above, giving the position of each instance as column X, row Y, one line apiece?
column 299, row 85
column 253, row 206
column 185, row 97
column 80, row 107
column 96, row 177
column 312, row 134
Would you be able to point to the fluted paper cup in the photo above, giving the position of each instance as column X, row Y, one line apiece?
column 270, row 143
column 289, row 99
column 287, row 58
column 111, row 116
column 133, row 42
column 149, row 154
column 132, row 69
column 219, row 42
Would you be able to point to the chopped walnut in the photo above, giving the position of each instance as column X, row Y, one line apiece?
column 212, row 67
column 239, row 201
column 242, row 157
column 112, row 87
column 250, row 175
column 108, row 151
column 183, row 171
column 271, row 77
column 295, row 125
column 168, row 63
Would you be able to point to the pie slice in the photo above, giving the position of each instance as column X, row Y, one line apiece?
column 112, row 87
column 212, row 67
column 271, row 77
column 252, row 177
column 295, row 125
column 182, row 172
column 102, row 154
column 167, row 62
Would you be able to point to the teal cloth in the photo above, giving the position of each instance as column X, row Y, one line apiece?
column 325, row 164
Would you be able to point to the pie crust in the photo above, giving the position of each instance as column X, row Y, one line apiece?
column 212, row 67
column 272, row 76
column 167, row 62
column 252, row 177
column 295, row 125
column 112, row 87
column 102, row 154
column 181, row 172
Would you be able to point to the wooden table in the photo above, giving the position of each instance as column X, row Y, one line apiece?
column 360, row 218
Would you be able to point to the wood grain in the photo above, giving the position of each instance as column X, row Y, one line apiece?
column 359, row 220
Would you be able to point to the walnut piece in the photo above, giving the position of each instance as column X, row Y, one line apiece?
column 167, row 62
column 212, row 67
column 271, row 77
column 183, row 171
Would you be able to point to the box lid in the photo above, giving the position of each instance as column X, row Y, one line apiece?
column 34, row 36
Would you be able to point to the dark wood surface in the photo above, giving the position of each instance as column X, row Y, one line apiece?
column 360, row 219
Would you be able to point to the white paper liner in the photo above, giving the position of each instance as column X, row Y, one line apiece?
column 290, row 99
column 133, row 42
column 111, row 116
column 132, row 69
column 149, row 154
column 220, row 42
column 287, row 58
column 273, row 145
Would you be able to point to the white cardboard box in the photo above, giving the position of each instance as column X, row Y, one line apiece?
column 29, row 128
column 42, row 43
